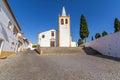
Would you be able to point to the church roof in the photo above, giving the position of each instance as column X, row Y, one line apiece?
column 63, row 11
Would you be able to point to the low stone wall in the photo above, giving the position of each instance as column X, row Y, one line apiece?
column 108, row 45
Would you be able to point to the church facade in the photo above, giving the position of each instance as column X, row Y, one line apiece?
column 48, row 38
column 60, row 38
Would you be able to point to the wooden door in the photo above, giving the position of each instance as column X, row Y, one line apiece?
column 52, row 44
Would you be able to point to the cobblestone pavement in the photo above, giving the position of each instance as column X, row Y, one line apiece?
column 31, row 66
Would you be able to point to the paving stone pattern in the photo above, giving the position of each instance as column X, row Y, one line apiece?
column 32, row 66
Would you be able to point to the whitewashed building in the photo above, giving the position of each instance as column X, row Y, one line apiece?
column 48, row 38
column 22, row 42
column 9, row 29
column 60, row 38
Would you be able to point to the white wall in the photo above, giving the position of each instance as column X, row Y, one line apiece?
column 5, row 33
column 108, row 45
column 73, row 44
column 64, row 32
column 7, row 13
column 45, row 42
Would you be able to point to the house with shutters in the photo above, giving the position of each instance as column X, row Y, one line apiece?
column 9, row 29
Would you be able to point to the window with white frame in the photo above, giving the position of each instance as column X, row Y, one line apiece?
column 10, row 25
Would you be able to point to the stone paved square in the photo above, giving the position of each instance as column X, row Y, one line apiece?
column 32, row 66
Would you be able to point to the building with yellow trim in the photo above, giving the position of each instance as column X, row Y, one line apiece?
column 60, row 38
column 9, row 29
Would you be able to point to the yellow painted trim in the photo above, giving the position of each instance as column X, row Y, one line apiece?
column 41, row 52
column 10, row 10
column 59, row 31
column 69, row 32
column 70, row 41
column 6, row 54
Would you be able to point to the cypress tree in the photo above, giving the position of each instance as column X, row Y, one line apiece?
column 84, row 32
column 116, row 25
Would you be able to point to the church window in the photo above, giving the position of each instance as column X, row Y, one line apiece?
column 43, row 36
column 52, row 33
column 66, row 21
column 62, row 21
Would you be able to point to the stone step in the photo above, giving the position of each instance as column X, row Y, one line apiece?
column 62, row 50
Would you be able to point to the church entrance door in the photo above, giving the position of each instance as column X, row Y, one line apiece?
column 52, row 43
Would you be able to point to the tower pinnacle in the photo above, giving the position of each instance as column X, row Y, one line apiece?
column 63, row 11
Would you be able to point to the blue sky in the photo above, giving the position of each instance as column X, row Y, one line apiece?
column 36, row 16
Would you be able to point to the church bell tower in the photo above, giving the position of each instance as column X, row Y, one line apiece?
column 64, row 30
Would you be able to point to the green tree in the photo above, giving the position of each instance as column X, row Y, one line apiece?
column 97, row 35
column 92, row 38
column 104, row 33
column 34, row 46
column 116, row 25
column 80, row 41
column 84, row 32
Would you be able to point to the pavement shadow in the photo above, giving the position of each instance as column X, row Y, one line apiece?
column 3, row 57
column 36, row 51
column 92, row 52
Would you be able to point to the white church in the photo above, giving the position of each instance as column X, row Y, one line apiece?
column 60, row 38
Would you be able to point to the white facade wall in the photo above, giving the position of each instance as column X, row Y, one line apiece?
column 73, row 44
column 64, row 32
column 7, row 13
column 6, row 34
column 64, row 36
column 45, row 42
column 108, row 45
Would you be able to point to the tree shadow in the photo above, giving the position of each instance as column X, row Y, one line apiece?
column 92, row 52
column 36, row 51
